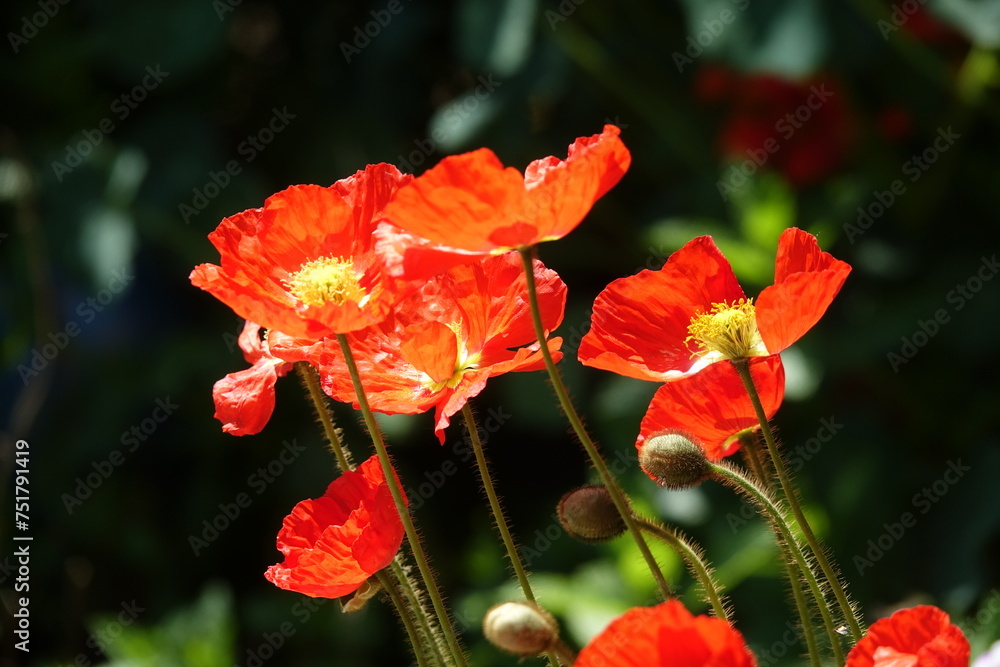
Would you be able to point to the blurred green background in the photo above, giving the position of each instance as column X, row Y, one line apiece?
column 128, row 130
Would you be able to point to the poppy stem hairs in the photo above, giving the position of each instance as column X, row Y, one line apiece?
column 397, row 495
column 588, row 444
column 791, row 496
column 498, row 514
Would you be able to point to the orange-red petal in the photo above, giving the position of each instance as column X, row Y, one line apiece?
column 470, row 205
column 666, row 635
column 334, row 543
column 921, row 636
column 712, row 406
column 261, row 249
column 806, row 280
column 640, row 323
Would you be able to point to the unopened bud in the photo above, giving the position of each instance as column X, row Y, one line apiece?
column 589, row 515
column 520, row 628
column 673, row 461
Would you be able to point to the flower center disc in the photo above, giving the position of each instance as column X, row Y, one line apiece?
column 728, row 329
column 326, row 280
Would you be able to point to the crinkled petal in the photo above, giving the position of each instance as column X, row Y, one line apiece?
column 244, row 401
column 921, row 636
column 460, row 201
column 334, row 543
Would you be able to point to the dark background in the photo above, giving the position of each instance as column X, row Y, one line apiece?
column 114, row 570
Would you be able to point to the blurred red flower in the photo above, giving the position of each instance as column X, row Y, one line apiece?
column 334, row 543
column 668, row 324
column 666, row 635
column 470, row 205
column 712, row 408
column 304, row 264
column 442, row 343
column 244, row 400
column 803, row 129
column 922, row 636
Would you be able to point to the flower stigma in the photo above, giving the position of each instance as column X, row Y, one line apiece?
column 728, row 330
column 326, row 280
column 463, row 362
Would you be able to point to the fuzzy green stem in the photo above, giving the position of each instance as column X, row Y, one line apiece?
column 729, row 474
column 310, row 378
column 617, row 496
column 836, row 585
column 499, row 518
column 694, row 557
column 431, row 633
column 498, row 514
column 749, row 447
column 405, row 616
column 397, row 495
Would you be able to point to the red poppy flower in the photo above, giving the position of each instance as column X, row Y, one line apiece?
column 334, row 543
column 244, row 400
column 666, row 635
column 667, row 324
column 803, row 129
column 713, row 407
column 304, row 264
column 444, row 341
column 470, row 205
column 919, row 637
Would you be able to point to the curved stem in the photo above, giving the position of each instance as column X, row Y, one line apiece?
column 836, row 585
column 694, row 557
column 397, row 495
column 498, row 515
column 581, row 433
column 310, row 378
column 730, row 475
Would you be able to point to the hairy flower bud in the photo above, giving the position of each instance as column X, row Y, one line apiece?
column 674, row 461
column 589, row 515
column 520, row 628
